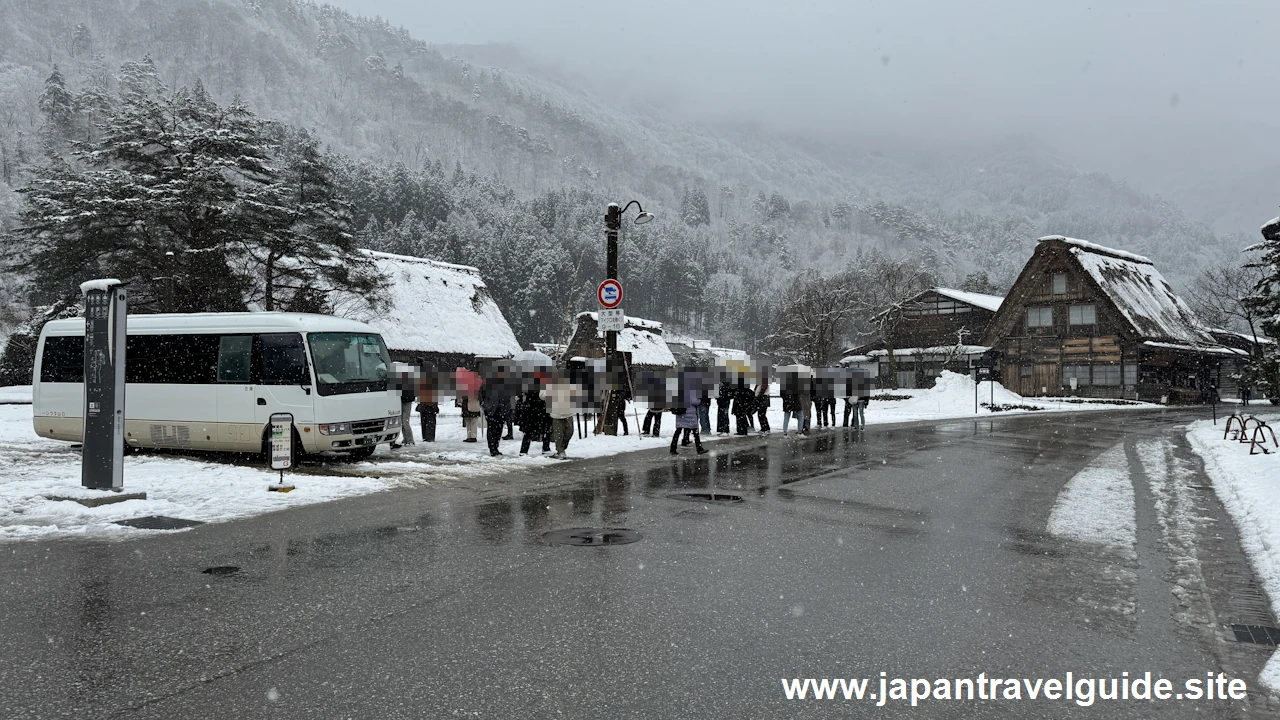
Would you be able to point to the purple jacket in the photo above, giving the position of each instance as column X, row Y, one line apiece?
column 690, row 417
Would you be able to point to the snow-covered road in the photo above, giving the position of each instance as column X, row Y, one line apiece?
column 211, row 488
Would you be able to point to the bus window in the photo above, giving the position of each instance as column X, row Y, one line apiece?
column 171, row 359
column 284, row 362
column 235, row 353
column 349, row 362
column 63, row 360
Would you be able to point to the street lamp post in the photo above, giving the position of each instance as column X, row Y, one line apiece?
column 612, row 226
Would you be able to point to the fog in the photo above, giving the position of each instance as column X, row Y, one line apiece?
column 1176, row 97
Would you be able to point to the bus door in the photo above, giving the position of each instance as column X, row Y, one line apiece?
column 284, row 382
column 237, row 421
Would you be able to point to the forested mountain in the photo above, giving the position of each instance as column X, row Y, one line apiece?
column 478, row 155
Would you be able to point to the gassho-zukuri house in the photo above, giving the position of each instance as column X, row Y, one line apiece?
column 441, row 313
column 1091, row 321
column 939, row 329
column 640, row 341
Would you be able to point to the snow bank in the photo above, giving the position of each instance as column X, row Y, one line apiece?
column 1249, row 487
column 1097, row 505
column 15, row 395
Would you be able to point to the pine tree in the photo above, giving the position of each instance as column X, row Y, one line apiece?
column 1263, row 370
column 57, row 103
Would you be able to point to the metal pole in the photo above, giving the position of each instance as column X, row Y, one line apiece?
column 612, row 224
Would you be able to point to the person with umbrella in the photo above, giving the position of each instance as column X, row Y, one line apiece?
column 532, row 415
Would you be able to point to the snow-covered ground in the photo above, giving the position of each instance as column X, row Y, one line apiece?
column 1097, row 504
column 1249, row 487
column 20, row 394
column 213, row 488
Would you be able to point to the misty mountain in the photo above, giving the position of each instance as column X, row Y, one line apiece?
column 757, row 205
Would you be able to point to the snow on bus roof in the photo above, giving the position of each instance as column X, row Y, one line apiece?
column 169, row 323
column 439, row 307
column 1094, row 247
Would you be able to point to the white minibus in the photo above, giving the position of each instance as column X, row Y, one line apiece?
column 211, row 381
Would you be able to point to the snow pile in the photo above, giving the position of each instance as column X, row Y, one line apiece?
column 439, row 307
column 1097, row 505
column 951, row 396
column 104, row 285
column 1249, row 487
column 15, row 395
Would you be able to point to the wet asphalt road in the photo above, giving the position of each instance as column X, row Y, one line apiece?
column 916, row 550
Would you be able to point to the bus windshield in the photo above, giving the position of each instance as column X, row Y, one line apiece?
column 349, row 362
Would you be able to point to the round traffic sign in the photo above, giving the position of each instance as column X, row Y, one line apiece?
column 609, row 293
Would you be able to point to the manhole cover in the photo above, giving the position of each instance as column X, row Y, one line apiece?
column 221, row 570
column 706, row 497
column 592, row 537
column 158, row 522
column 1256, row 634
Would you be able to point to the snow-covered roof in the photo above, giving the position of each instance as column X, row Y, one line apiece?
column 1140, row 293
column 1211, row 349
column 1093, row 247
column 440, row 307
column 642, row 338
column 630, row 321
column 986, row 302
column 936, row 350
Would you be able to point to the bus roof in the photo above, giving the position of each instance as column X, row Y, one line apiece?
column 242, row 322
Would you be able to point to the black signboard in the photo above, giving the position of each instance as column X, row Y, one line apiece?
column 102, row 465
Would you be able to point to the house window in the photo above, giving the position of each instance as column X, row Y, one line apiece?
column 1083, row 314
column 1079, row 372
column 1024, row 371
column 1059, row 283
column 1039, row 316
column 1130, row 375
column 1108, row 375
column 907, row 379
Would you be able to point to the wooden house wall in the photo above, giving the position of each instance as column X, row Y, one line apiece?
column 1035, row 360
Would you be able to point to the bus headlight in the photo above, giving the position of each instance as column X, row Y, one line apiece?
column 393, row 422
column 336, row 429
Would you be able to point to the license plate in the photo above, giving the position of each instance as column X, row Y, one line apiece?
column 367, row 440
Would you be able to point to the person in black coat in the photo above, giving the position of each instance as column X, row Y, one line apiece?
column 534, row 421
column 743, row 406
column 495, row 400
column 723, row 398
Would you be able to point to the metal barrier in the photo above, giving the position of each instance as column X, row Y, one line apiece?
column 1235, row 419
column 1253, row 442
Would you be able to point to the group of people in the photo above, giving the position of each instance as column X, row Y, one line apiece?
column 543, row 402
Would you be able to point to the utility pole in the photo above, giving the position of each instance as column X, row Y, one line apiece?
column 612, row 224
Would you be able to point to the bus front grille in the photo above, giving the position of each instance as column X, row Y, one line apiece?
column 367, row 426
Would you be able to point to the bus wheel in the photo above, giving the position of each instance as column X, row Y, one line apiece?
column 363, row 452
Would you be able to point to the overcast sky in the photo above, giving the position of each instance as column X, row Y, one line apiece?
column 1163, row 93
